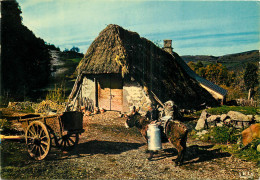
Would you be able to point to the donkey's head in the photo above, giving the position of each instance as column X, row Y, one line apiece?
column 132, row 118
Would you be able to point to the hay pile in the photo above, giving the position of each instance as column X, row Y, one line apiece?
column 47, row 106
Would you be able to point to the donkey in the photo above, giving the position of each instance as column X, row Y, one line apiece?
column 175, row 132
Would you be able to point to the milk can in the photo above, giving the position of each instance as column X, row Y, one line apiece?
column 154, row 137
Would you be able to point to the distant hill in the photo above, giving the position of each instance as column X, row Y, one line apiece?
column 231, row 61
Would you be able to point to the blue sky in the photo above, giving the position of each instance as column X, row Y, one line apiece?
column 195, row 27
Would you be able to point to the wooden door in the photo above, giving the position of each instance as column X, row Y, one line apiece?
column 110, row 92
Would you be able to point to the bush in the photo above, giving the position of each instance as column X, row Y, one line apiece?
column 57, row 95
column 4, row 124
column 225, row 134
column 226, row 109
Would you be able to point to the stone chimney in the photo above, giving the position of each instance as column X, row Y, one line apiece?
column 168, row 46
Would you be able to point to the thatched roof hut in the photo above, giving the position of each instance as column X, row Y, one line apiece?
column 119, row 51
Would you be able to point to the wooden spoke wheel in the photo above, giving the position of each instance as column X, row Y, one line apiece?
column 68, row 141
column 38, row 140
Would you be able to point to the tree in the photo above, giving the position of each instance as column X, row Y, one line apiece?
column 251, row 79
column 75, row 49
column 25, row 62
column 198, row 65
column 192, row 65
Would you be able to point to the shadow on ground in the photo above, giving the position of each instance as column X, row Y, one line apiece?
column 98, row 147
column 194, row 154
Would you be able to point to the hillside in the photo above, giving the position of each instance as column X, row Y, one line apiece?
column 231, row 61
column 25, row 59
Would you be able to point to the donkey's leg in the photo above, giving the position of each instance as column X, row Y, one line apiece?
column 151, row 155
column 177, row 144
column 183, row 143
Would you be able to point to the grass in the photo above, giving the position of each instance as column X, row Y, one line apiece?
column 225, row 109
column 248, row 154
column 16, row 164
column 228, row 139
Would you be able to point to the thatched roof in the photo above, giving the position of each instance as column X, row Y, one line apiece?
column 117, row 50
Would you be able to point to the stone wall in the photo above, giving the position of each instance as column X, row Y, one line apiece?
column 88, row 88
column 134, row 95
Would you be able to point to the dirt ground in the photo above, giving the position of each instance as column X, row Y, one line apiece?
column 107, row 150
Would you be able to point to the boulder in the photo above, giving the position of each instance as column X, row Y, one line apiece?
column 204, row 114
column 252, row 132
column 234, row 115
column 227, row 121
column 258, row 148
column 223, row 117
column 213, row 118
column 220, row 124
column 251, row 117
column 201, row 124
column 257, row 118
column 202, row 133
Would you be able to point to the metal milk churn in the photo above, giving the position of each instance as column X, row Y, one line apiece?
column 154, row 137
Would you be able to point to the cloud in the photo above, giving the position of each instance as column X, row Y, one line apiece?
column 67, row 23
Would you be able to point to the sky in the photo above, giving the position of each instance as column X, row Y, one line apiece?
column 195, row 27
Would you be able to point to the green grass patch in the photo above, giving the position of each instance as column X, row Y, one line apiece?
column 248, row 154
column 224, row 134
column 228, row 139
column 225, row 109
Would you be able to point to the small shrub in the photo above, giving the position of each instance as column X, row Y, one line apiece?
column 4, row 124
column 226, row 109
column 224, row 134
column 57, row 95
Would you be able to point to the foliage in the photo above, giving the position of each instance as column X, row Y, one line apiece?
column 224, row 134
column 75, row 49
column 25, row 61
column 4, row 124
column 234, row 62
column 250, row 76
column 227, row 79
column 249, row 154
column 52, row 47
column 57, row 95
column 226, row 109
column 216, row 73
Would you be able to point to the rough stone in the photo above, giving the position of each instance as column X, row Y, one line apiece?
column 202, row 133
column 201, row 124
column 234, row 115
column 213, row 118
column 227, row 121
column 257, row 118
column 204, row 115
column 223, row 117
column 258, row 148
column 251, row 117
column 220, row 124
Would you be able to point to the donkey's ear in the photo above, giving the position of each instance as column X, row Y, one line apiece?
column 134, row 109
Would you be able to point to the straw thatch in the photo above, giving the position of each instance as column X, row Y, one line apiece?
column 117, row 50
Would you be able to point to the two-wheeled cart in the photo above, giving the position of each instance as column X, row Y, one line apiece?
column 60, row 130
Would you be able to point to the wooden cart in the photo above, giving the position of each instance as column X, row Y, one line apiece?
column 60, row 130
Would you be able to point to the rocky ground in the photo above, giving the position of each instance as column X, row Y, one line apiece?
column 107, row 150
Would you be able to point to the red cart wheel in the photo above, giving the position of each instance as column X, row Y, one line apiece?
column 38, row 140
